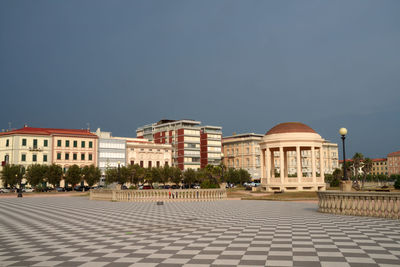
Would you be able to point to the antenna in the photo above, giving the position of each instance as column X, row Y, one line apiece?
column 9, row 125
column 88, row 126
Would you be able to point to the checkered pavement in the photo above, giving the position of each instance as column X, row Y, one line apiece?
column 74, row 231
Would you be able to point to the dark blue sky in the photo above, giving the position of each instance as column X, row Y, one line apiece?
column 244, row 65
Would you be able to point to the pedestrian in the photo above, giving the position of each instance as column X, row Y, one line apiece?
column 169, row 193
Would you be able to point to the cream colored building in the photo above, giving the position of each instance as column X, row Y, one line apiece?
column 147, row 154
column 287, row 145
column 242, row 151
column 25, row 147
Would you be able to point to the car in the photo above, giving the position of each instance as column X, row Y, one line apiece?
column 60, row 189
column 124, row 187
column 175, row 186
column 5, row 190
column 147, row 187
column 81, row 188
column 27, row 190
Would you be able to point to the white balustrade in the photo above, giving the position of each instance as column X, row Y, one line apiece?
column 374, row 204
column 158, row 195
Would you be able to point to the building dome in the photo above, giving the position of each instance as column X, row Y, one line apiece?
column 290, row 127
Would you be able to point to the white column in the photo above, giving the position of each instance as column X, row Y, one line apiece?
column 314, row 174
column 321, row 164
column 268, row 160
column 262, row 166
column 298, row 159
column 282, row 163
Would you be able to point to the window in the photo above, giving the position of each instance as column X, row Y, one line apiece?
column 166, row 163
column 58, row 156
column 83, row 144
column 66, row 156
column 34, row 157
column 44, row 158
column 141, row 163
column 66, row 143
column 132, row 162
column 158, row 164
column 7, row 142
column 90, row 144
column 90, row 157
column 45, row 143
column 58, row 143
column 83, row 156
column 23, row 157
column 75, row 156
column 75, row 143
column 149, row 165
column 24, row 142
column 35, row 143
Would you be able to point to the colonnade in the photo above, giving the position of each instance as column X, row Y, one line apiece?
column 268, row 164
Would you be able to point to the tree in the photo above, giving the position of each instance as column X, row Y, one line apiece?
column 232, row 176
column 366, row 168
column 155, row 174
column 35, row 174
column 73, row 175
column 165, row 174
column 136, row 174
column 54, row 174
column 111, row 175
column 189, row 176
column 91, row 174
column 357, row 163
column 12, row 175
column 244, row 176
column 337, row 176
column 117, row 175
column 176, row 175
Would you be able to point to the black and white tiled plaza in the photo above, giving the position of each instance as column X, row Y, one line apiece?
column 74, row 231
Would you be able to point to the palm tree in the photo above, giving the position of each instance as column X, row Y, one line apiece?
column 367, row 167
column 357, row 163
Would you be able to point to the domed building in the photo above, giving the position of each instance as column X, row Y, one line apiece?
column 292, row 144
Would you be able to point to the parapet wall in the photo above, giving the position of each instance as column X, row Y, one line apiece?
column 374, row 204
column 158, row 195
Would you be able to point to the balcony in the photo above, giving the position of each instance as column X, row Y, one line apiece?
column 35, row 148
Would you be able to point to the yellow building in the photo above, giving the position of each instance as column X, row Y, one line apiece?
column 242, row 151
column 64, row 147
column 379, row 166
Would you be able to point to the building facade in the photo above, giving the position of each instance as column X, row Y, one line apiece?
column 379, row 166
column 242, row 151
column 112, row 151
column 186, row 137
column 393, row 163
column 148, row 154
column 210, row 145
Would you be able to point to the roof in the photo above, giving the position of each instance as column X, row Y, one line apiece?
column 397, row 153
column 49, row 131
column 378, row 160
column 244, row 135
column 290, row 127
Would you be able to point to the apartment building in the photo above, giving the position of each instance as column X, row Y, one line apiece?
column 64, row 147
column 393, row 163
column 242, row 151
column 186, row 140
column 379, row 166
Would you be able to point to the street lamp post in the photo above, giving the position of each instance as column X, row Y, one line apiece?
column 343, row 132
